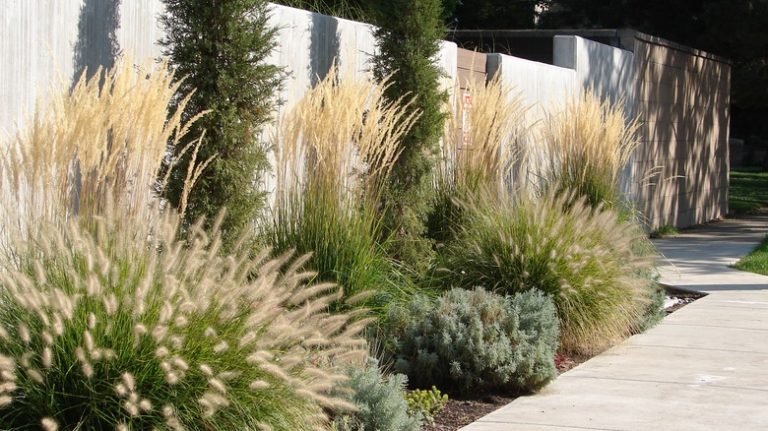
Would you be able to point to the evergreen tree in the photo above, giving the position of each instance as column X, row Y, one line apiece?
column 220, row 47
column 409, row 37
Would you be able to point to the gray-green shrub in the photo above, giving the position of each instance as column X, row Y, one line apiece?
column 380, row 402
column 475, row 340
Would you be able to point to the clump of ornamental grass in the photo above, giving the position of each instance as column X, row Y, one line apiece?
column 587, row 145
column 478, row 153
column 129, row 328
column 100, row 145
column 586, row 259
column 334, row 153
column 108, row 321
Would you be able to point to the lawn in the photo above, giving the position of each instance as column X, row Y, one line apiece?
column 756, row 261
column 748, row 191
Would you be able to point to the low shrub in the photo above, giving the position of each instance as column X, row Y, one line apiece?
column 380, row 402
column 584, row 258
column 133, row 329
column 475, row 340
column 426, row 402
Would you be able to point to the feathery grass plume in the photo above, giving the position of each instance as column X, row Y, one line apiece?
column 334, row 153
column 482, row 157
column 100, row 145
column 587, row 146
column 585, row 258
column 123, row 326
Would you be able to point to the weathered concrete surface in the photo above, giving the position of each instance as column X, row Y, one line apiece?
column 705, row 367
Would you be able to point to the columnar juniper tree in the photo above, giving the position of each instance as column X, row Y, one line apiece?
column 220, row 47
column 409, row 34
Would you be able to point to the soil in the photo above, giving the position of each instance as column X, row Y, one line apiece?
column 461, row 412
column 684, row 298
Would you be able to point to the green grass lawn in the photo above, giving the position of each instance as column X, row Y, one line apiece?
column 756, row 261
column 748, row 191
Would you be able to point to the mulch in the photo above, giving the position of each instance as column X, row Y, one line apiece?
column 460, row 412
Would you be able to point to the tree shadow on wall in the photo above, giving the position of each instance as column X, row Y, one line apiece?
column 97, row 44
column 324, row 46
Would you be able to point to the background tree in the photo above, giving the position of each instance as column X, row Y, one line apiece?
column 409, row 37
column 220, row 48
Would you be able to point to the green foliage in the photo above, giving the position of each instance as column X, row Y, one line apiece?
column 343, row 245
column 747, row 191
column 654, row 311
column 475, row 340
column 663, row 231
column 380, row 402
column 491, row 14
column 427, row 403
column 756, row 261
column 130, row 328
column 587, row 260
column 409, row 37
column 220, row 48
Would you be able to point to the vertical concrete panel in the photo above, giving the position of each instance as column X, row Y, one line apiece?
column 683, row 100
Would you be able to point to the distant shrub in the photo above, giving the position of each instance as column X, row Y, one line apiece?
column 475, row 340
column 586, row 259
column 587, row 146
column 380, row 402
column 426, row 402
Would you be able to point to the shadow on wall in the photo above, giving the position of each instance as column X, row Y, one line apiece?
column 96, row 44
column 324, row 46
column 683, row 107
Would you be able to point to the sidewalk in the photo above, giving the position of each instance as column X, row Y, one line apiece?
column 705, row 367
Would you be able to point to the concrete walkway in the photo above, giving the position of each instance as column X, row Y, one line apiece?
column 705, row 367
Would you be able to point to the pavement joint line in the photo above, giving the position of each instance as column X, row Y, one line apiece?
column 733, row 307
column 740, row 328
column 551, row 425
column 708, row 349
column 641, row 346
column 665, row 382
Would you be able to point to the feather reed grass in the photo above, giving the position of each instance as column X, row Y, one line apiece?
column 483, row 156
column 334, row 153
column 100, row 145
column 587, row 145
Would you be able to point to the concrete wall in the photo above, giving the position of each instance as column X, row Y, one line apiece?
column 680, row 96
column 542, row 88
column 683, row 99
column 47, row 43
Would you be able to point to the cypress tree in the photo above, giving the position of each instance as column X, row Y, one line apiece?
column 409, row 37
column 219, row 47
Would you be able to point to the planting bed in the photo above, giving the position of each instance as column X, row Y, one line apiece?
column 462, row 412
